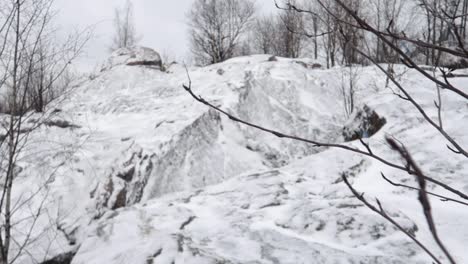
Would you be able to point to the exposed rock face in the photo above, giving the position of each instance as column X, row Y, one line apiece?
column 207, row 148
column 134, row 57
column 363, row 123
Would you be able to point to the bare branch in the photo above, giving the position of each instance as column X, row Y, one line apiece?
column 382, row 213
column 443, row 198
column 423, row 197
column 416, row 105
column 316, row 143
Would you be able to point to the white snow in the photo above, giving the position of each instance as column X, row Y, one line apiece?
column 148, row 175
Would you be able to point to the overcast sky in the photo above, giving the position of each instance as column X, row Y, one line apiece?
column 161, row 23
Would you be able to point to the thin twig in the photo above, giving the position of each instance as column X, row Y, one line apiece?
column 442, row 198
column 382, row 213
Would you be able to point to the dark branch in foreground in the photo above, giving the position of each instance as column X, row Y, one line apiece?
column 459, row 149
column 318, row 144
column 423, row 197
column 384, row 214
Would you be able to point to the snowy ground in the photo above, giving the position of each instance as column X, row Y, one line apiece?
column 147, row 175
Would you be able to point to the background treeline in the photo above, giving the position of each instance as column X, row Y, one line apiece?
column 220, row 30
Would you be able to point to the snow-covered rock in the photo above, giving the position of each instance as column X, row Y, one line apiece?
column 144, row 174
column 134, row 56
column 363, row 123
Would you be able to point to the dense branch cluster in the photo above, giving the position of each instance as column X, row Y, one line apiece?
column 125, row 34
column 431, row 32
column 33, row 72
column 216, row 27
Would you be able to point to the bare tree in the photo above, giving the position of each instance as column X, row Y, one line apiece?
column 281, row 34
column 463, row 23
column 31, row 72
column 446, row 26
column 331, row 39
column 125, row 34
column 315, row 26
column 50, row 72
column 349, row 36
column 217, row 27
column 321, row 24
column 291, row 28
column 264, row 34
column 388, row 14
column 348, row 88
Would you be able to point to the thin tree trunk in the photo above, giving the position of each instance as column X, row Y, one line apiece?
column 429, row 32
column 464, row 19
column 434, row 35
column 11, row 139
column 315, row 21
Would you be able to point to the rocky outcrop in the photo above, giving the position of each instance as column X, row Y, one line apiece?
column 363, row 123
column 133, row 57
column 154, row 176
column 284, row 106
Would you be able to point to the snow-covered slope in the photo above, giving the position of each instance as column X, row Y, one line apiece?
column 289, row 215
column 144, row 174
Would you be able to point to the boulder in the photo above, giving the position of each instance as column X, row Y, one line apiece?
column 363, row 123
column 273, row 58
column 134, row 57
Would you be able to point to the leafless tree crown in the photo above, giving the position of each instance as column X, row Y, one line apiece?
column 216, row 28
column 125, row 34
column 33, row 72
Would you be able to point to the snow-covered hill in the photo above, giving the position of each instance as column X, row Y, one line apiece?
column 138, row 172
